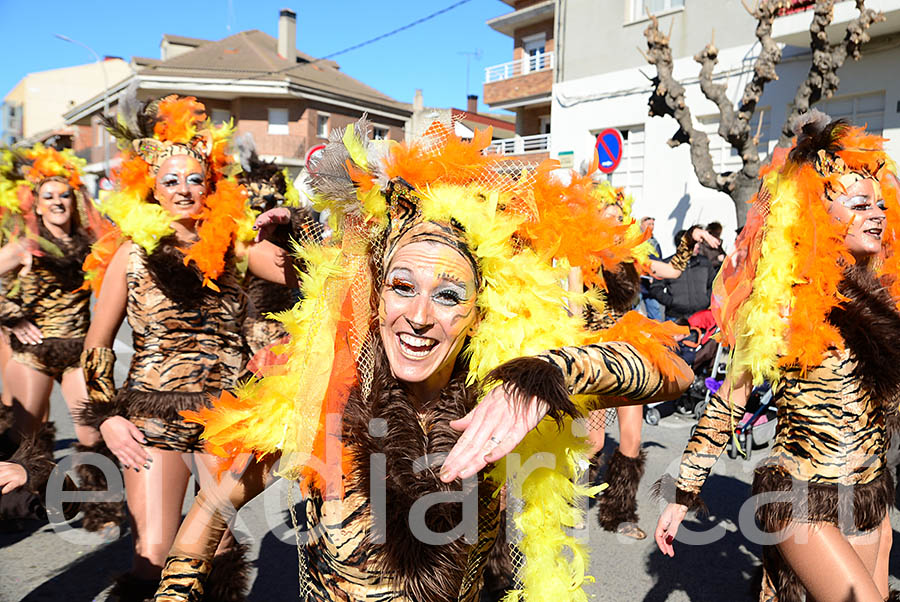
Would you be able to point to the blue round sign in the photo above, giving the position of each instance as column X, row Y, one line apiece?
column 609, row 149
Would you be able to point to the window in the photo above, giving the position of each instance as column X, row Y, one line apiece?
column 220, row 116
column 278, row 121
column 322, row 125
column 535, row 48
column 630, row 173
column 724, row 156
column 380, row 133
column 858, row 110
column 639, row 8
column 544, row 121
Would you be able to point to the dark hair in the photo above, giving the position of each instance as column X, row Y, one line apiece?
column 715, row 228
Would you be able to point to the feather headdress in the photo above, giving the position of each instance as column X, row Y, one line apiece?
column 488, row 209
column 778, row 286
column 149, row 133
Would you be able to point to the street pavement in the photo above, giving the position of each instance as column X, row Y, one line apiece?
column 68, row 564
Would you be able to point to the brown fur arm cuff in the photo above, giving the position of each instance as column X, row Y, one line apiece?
column 10, row 311
column 666, row 489
column 528, row 377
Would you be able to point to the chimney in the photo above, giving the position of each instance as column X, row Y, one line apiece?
column 472, row 103
column 287, row 35
column 418, row 101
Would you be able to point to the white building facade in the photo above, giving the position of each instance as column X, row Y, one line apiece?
column 607, row 86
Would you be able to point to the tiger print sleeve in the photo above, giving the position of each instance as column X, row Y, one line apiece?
column 683, row 253
column 607, row 372
column 703, row 450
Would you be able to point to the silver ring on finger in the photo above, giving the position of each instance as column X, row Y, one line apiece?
column 496, row 440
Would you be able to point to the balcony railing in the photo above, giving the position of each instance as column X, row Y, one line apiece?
column 521, row 145
column 530, row 64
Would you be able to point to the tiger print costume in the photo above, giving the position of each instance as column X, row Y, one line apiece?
column 831, row 435
column 345, row 565
column 187, row 347
column 50, row 296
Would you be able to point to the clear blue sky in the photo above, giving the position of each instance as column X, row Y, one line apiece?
column 426, row 56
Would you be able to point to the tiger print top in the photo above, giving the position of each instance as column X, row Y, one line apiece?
column 343, row 563
column 179, row 348
column 830, row 430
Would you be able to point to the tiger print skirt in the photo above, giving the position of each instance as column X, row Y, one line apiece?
column 52, row 357
column 156, row 414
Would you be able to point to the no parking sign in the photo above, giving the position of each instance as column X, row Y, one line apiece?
column 609, row 149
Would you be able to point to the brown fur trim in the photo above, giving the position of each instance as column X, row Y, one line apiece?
column 129, row 588
column 267, row 296
column 893, row 596
column 823, row 504
column 229, row 577
column 622, row 287
column 782, row 576
column 411, row 435
column 164, row 405
column 618, row 503
column 53, row 351
column 97, row 515
column 666, row 489
column 35, row 455
column 180, row 283
column 870, row 326
column 6, row 418
column 528, row 377
column 66, row 269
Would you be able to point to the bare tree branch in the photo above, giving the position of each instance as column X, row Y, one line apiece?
column 822, row 80
column 667, row 98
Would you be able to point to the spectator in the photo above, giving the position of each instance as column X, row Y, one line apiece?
column 690, row 292
column 713, row 253
column 653, row 307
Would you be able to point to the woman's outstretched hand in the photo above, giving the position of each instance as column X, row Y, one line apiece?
column 493, row 429
column 268, row 220
column 667, row 527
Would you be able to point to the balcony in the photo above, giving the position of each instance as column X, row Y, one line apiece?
column 524, row 66
column 519, row 82
column 792, row 28
column 523, row 17
column 521, row 145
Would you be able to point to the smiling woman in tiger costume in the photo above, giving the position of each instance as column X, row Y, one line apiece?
column 170, row 268
column 808, row 301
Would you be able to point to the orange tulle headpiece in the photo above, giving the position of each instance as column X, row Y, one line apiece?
column 171, row 126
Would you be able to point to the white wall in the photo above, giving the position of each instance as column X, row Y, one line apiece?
column 670, row 191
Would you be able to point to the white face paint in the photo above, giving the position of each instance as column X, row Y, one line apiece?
column 862, row 206
column 427, row 308
column 180, row 186
column 55, row 203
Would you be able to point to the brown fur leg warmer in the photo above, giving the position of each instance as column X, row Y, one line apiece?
column 129, row 588
column 618, row 503
column 229, row 577
column 893, row 596
column 98, row 515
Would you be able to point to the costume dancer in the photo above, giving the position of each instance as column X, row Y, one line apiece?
column 269, row 189
column 442, row 280
column 45, row 309
column 618, row 290
column 170, row 269
column 808, row 301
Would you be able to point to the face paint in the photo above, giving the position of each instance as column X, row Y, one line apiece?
column 55, row 203
column 427, row 308
column 862, row 206
column 181, row 186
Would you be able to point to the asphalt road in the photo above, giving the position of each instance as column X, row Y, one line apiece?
column 43, row 564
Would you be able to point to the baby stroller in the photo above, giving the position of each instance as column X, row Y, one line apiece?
column 700, row 351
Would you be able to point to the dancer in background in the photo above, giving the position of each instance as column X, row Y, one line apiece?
column 808, row 301
column 170, row 268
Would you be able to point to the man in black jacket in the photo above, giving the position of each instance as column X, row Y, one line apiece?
column 689, row 293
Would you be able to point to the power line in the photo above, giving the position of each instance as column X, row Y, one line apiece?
column 325, row 58
column 398, row 30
